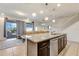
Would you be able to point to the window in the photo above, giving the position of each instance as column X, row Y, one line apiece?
column 29, row 27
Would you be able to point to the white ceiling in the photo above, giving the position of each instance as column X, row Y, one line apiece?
column 62, row 13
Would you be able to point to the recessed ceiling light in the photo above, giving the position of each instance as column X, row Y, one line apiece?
column 58, row 5
column 20, row 13
column 46, row 18
column 53, row 20
column 34, row 14
column 41, row 12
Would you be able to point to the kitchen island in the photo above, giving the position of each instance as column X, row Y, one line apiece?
column 46, row 44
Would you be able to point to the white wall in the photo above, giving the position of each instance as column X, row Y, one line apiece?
column 72, row 32
column 56, row 29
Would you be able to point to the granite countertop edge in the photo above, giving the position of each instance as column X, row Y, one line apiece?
column 53, row 37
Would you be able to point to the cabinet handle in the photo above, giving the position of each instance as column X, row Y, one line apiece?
column 44, row 47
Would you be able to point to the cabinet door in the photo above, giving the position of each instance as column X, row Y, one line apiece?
column 60, row 44
column 54, row 47
column 64, row 41
column 43, row 49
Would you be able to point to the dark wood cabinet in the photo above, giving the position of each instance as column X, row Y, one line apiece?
column 50, row 47
column 43, row 48
column 60, row 44
column 62, row 41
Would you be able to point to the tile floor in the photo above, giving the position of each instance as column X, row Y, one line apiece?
column 72, row 49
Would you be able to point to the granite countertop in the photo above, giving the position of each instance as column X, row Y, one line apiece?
column 36, row 38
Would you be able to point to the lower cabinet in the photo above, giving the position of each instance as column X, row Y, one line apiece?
column 44, row 48
column 62, row 41
column 51, row 47
column 60, row 44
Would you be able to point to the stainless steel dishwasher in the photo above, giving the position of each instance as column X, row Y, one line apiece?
column 54, row 47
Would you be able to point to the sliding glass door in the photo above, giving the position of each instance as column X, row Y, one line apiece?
column 10, row 29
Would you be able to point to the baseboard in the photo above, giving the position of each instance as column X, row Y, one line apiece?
column 73, row 41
